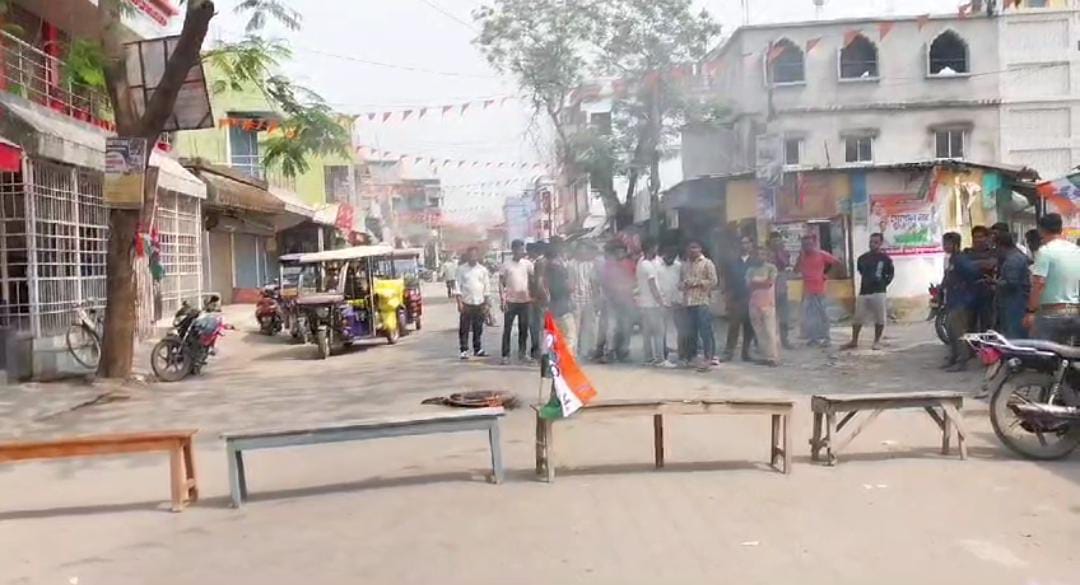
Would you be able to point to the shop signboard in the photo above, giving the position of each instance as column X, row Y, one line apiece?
column 125, row 172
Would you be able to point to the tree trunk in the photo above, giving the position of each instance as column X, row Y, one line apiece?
column 118, row 344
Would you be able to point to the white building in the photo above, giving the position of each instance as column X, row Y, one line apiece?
column 990, row 86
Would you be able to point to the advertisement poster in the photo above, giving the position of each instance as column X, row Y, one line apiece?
column 910, row 225
column 125, row 172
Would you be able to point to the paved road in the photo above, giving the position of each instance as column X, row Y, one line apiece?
column 417, row 510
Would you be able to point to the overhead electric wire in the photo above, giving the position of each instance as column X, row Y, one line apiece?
column 450, row 15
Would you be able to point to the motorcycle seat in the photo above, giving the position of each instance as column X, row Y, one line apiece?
column 1065, row 351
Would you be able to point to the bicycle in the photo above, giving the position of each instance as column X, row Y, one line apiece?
column 84, row 337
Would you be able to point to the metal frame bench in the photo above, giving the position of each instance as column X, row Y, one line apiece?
column 183, row 485
column 480, row 419
column 826, row 406
column 779, row 410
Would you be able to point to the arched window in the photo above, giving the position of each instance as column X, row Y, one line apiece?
column 948, row 55
column 858, row 60
column 786, row 63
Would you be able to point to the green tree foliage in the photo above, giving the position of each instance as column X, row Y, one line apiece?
column 648, row 45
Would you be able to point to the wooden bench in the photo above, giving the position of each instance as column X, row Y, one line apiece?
column 480, row 419
column 183, row 484
column 779, row 410
column 826, row 406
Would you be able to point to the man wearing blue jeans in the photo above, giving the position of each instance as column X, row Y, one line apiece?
column 1054, row 304
column 698, row 281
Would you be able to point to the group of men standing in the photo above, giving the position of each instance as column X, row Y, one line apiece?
column 995, row 284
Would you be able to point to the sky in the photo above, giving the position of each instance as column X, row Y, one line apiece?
column 389, row 55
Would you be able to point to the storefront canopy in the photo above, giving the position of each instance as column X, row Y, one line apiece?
column 46, row 134
column 228, row 189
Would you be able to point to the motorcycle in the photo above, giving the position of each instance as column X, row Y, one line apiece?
column 938, row 314
column 186, row 348
column 268, row 311
column 1034, row 388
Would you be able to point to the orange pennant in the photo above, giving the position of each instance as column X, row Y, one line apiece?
column 774, row 52
column 884, row 28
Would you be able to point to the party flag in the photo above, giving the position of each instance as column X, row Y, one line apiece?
column 570, row 388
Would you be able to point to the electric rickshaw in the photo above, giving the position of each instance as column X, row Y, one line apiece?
column 344, row 298
column 407, row 264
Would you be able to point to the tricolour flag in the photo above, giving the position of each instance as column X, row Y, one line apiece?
column 1063, row 194
column 570, row 389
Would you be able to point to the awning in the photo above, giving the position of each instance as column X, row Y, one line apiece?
column 47, row 134
column 173, row 176
column 225, row 192
column 41, row 132
column 292, row 202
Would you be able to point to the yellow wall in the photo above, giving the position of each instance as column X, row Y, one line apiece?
column 741, row 199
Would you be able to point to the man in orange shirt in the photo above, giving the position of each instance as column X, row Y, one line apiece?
column 813, row 263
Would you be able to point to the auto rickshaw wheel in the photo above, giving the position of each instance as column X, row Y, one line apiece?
column 322, row 339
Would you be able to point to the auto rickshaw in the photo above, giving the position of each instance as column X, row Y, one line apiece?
column 289, row 274
column 407, row 264
column 347, row 299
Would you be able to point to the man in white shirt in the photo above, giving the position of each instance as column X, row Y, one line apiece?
column 651, row 303
column 473, row 282
column 668, row 270
column 515, row 299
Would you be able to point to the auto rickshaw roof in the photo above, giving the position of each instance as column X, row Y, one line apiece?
column 345, row 254
column 408, row 252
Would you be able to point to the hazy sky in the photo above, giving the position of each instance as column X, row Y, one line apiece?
column 429, row 59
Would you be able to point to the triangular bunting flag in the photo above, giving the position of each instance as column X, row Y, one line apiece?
column 774, row 52
column 922, row 20
column 488, row 103
column 405, row 115
column 464, row 107
column 446, row 162
column 503, row 101
column 849, row 36
column 371, row 116
column 446, row 109
column 964, row 10
column 460, row 163
column 421, row 113
column 884, row 28
column 812, row 43
column 419, row 160
column 386, row 116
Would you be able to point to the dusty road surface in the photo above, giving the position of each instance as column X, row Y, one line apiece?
column 418, row 511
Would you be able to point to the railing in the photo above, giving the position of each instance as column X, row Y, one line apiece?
column 37, row 76
column 252, row 166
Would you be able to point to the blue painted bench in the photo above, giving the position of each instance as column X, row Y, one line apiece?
column 480, row 419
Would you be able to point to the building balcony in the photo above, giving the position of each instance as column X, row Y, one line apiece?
column 34, row 75
column 252, row 166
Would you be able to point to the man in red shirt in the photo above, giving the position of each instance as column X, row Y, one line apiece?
column 812, row 264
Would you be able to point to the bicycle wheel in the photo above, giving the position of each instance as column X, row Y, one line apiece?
column 84, row 346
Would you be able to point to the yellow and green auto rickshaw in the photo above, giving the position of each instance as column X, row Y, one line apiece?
column 350, row 300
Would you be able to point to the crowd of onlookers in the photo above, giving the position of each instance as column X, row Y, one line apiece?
column 599, row 297
column 1030, row 290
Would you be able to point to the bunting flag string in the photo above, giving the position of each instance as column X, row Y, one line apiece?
column 371, row 153
column 403, row 114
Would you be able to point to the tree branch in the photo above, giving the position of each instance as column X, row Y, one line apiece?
column 184, row 57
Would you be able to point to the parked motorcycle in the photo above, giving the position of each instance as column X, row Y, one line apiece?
column 1034, row 393
column 187, row 347
column 268, row 311
column 938, row 314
